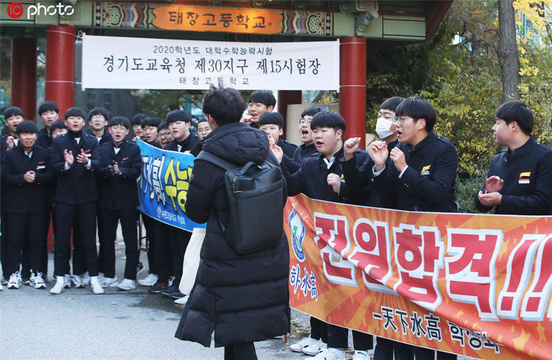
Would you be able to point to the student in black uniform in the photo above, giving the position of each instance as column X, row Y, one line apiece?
column 307, row 148
column 260, row 101
column 13, row 116
column 98, row 118
column 120, row 166
column 74, row 158
column 519, row 180
column 355, row 178
column 27, row 172
column 163, row 135
column 149, row 129
column 418, row 174
column 48, row 112
column 203, row 128
column 272, row 123
column 136, row 123
column 319, row 178
column 172, row 242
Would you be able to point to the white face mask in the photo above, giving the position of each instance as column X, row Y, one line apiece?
column 383, row 127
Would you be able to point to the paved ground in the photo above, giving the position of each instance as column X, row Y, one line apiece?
column 117, row 325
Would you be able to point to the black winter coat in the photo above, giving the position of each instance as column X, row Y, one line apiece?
column 241, row 298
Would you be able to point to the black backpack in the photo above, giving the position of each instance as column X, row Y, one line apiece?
column 252, row 225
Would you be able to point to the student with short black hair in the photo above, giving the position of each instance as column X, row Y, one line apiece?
column 203, row 128
column 27, row 172
column 12, row 116
column 163, row 134
column 119, row 166
column 136, row 123
column 418, row 174
column 75, row 156
column 58, row 128
column 272, row 123
column 149, row 129
column 225, row 301
column 98, row 118
column 307, row 148
column 319, row 177
column 171, row 242
column 48, row 112
column 260, row 101
column 519, row 179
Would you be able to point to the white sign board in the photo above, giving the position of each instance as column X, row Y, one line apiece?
column 143, row 63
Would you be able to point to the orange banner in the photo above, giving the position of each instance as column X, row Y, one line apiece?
column 476, row 285
column 181, row 17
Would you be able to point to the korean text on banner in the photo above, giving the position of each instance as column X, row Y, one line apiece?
column 163, row 186
column 477, row 285
column 141, row 63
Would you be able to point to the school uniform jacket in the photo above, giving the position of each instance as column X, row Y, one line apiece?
column 119, row 192
column 44, row 139
column 428, row 182
column 24, row 197
column 287, row 147
column 187, row 145
column 301, row 153
column 527, row 174
column 77, row 185
column 311, row 179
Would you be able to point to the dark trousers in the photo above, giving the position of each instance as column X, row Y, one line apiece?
column 338, row 336
column 164, row 235
column 318, row 329
column 428, row 354
column 150, row 239
column 79, row 256
column 83, row 218
column 240, row 352
column 385, row 348
column 109, row 219
column 27, row 228
column 178, row 249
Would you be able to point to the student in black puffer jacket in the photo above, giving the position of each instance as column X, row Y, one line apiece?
column 241, row 298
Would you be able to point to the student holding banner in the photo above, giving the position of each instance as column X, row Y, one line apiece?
column 519, row 180
column 319, row 178
column 417, row 175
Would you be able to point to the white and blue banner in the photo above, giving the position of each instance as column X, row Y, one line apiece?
column 163, row 186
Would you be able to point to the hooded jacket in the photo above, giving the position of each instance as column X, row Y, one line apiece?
column 241, row 298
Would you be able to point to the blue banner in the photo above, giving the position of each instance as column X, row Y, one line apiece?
column 163, row 186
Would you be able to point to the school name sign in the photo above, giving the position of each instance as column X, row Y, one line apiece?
column 477, row 285
column 163, row 186
column 140, row 63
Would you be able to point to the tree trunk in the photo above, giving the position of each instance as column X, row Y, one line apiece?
column 508, row 56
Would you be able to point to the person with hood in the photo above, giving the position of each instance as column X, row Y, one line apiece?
column 239, row 298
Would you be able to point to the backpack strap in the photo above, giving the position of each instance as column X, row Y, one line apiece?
column 215, row 160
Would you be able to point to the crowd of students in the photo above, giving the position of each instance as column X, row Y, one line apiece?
column 79, row 177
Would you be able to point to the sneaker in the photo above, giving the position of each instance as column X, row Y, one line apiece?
column 76, row 280
column 140, row 269
column 37, row 281
column 299, row 346
column 15, row 280
column 85, row 278
column 126, row 285
column 3, row 281
column 361, row 355
column 109, row 282
column 59, row 286
column 96, row 286
column 67, row 281
column 182, row 301
column 169, row 291
column 331, row 354
column 315, row 348
column 157, row 287
column 148, row 281
column 1, row 287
